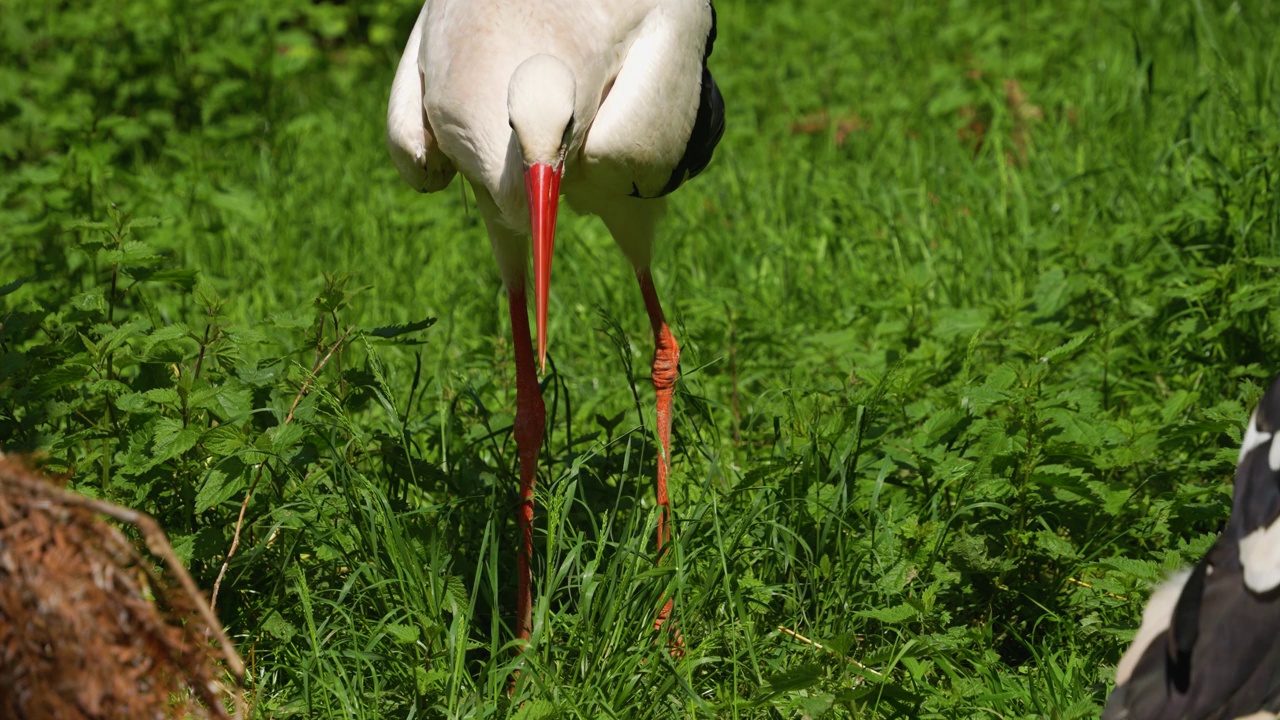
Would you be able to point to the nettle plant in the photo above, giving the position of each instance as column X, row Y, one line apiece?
column 115, row 387
column 120, row 368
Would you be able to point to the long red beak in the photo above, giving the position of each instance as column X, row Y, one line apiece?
column 542, row 183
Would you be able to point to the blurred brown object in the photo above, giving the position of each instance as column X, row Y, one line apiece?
column 1024, row 114
column 88, row 628
column 818, row 122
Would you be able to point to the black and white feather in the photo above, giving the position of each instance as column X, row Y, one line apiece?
column 1209, row 644
column 708, row 123
column 645, row 114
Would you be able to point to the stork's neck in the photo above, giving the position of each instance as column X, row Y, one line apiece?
column 541, row 99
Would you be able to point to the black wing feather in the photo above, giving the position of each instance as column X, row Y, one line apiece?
column 1220, row 657
column 708, row 126
column 1256, row 502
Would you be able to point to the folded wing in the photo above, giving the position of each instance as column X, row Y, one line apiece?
column 409, row 138
column 663, row 115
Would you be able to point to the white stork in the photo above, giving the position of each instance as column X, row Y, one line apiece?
column 608, row 102
column 1209, row 644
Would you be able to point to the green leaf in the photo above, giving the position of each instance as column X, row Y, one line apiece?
column 798, row 678
column 403, row 634
column 107, row 388
column 12, row 286
column 116, row 337
column 133, row 252
column 1067, row 348
column 166, row 333
column 1141, row 569
column 960, row 322
column 220, row 485
column 537, row 710
column 821, row 500
column 146, row 221
column 278, row 627
column 295, row 320
column 134, row 403
column 284, row 438
column 391, row 331
column 223, row 440
column 183, row 278
column 1056, row 546
column 183, row 546
column 259, row 376
column 815, row 706
column 229, row 400
column 939, row 425
column 172, row 439
column 233, row 399
column 428, row 681
column 61, row 376
column 89, row 225
column 209, row 543
column 241, row 335
column 891, row 615
column 455, row 593
column 970, row 554
column 91, row 301
column 163, row 396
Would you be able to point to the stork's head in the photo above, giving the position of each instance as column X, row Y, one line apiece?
column 540, row 102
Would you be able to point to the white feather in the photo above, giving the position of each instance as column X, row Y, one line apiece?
column 1260, row 556
column 642, row 126
column 413, row 148
column 1252, row 438
column 1155, row 619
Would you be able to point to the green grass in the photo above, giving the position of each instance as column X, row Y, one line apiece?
column 958, row 385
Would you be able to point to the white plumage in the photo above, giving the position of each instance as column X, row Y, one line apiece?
column 413, row 147
column 609, row 102
column 1156, row 618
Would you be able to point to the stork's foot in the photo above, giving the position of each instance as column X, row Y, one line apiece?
column 675, row 638
column 666, row 369
column 666, row 361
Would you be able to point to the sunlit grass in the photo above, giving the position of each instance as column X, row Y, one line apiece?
column 972, row 301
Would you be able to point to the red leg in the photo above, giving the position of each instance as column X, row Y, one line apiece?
column 531, row 416
column 666, row 360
